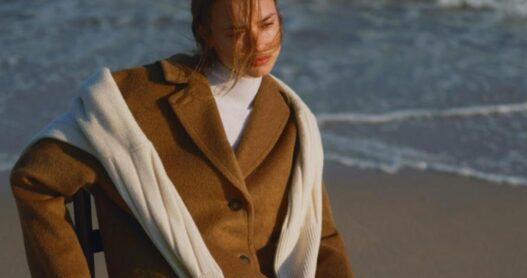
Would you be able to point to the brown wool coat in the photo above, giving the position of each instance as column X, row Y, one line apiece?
column 238, row 199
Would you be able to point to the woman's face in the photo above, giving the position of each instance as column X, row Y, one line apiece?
column 229, row 32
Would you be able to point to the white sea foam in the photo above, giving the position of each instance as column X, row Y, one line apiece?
column 452, row 169
column 369, row 153
column 402, row 115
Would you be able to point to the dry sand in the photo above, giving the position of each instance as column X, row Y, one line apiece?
column 410, row 224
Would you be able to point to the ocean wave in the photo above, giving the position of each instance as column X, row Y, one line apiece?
column 410, row 114
column 7, row 161
column 420, row 165
column 515, row 8
column 512, row 8
column 369, row 153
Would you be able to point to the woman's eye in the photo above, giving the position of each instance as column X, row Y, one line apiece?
column 268, row 24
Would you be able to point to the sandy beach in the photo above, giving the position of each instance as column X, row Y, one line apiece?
column 421, row 224
column 409, row 224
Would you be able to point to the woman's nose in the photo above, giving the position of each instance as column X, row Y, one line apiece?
column 257, row 38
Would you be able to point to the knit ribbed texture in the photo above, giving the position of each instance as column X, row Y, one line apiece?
column 100, row 122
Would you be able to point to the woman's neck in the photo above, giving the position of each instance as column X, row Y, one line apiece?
column 241, row 94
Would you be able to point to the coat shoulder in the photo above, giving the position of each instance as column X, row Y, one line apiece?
column 156, row 71
column 141, row 84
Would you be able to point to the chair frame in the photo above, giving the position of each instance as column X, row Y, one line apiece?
column 89, row 239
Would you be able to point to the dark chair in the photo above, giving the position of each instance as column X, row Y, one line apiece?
column 89, row 239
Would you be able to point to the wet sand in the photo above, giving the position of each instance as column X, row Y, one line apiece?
column 421, row 224
column 410, row 224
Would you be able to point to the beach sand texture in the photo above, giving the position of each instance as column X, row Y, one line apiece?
column 408, row 224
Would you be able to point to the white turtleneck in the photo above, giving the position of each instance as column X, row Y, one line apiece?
column 234, row 105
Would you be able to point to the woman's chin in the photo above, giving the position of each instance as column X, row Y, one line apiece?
column 259, row 71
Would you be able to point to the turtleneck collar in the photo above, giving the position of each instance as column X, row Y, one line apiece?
column 243, row 92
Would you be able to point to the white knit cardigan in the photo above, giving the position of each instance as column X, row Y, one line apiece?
column 100, row 122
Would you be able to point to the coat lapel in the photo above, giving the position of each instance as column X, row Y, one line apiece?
column 196, row 109
column 264, row 126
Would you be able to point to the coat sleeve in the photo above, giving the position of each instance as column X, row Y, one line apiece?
column 45, row 177
column 333, row 260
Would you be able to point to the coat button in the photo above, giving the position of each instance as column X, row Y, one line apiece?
column 244, row 258
column 235, row 204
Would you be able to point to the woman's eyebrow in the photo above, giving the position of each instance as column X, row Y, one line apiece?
column 230, row 27
column 267, row 17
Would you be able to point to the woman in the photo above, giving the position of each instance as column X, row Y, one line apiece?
column 226, row 146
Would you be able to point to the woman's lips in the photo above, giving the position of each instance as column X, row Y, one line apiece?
column 261, row 60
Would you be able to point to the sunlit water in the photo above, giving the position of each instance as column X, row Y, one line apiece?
column 429, row 85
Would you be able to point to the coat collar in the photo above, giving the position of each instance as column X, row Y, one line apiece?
column 196, row 109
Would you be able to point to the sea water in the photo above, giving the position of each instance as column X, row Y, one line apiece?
column 431, row 85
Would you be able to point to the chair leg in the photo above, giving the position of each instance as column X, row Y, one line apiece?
column 83, row 226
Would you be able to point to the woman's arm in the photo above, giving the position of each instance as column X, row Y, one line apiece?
column 333, row 260
column 45, row 177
